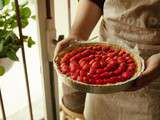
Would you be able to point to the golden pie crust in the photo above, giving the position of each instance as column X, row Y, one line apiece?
column 105, row 88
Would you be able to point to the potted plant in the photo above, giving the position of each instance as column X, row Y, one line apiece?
column 9, row 41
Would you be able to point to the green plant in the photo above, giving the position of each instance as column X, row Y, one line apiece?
column 9, row 41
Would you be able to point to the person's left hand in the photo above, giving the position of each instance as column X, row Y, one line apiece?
column 151, row 72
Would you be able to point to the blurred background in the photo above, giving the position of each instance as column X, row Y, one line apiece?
column 13, row 85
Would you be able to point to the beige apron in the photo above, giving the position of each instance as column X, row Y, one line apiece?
column 133, row 22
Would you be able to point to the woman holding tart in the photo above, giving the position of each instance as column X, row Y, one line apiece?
column 135, row 23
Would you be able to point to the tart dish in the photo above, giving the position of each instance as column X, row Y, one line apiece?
column 99, row 67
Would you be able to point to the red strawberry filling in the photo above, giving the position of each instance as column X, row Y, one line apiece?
column 98, row 64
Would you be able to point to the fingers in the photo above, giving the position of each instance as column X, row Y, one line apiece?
column 57, row 49
column 61, row 45
column 145, row 77
column 151, row 72
column 151, row 66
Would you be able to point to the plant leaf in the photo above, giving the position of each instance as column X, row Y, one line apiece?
column 10, row 38
column 2, row 70
column 1, row 23
column 13, row 6
column 15, row 47
column 6, row 2
column 6, row 12
column 1, row 4
column 25, row 12
column 10, row 22
column 30, row 42
column 1, row 46
column 33, row 17
column 13, row 24
column 12, row 55
column 24, row 23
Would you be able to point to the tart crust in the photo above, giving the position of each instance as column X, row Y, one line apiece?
column 105, row 88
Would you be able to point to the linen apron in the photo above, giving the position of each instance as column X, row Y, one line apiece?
column 135, row 22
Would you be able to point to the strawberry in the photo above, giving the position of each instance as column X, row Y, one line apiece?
column 117, row 72
column 108, row 59
column 125, row 55
column 121, row 52
column 123, row 67
column 98, row 53
column 115, row 58
column 64, row 68
column 98, row 57
column 97, row 48
column 105, row 49
column 130, row 61
column 73, row 66
column 127, row 75
column 65, row 58
column 94, row 65
column 114, row 79
column 76, row 57
column 74, row 52
column 102, row 63
column 110, row 50
column 86, row 53
column 62, row 64
column 85, row 79
column 88, row 58
column 75, row 75
column 83, row 73
column 128, row 58
column 92, row 70
column 82, row 63
column 99, row 81
column 80, row 49
column 121, row 59
column 119, row 78
column 92, row 61
column 111, row 55
column 105, row 75
column 96, row 76
column 131, row 67
column 104, row 57
column 98, row 64
column 110, row 80
column 111, row 65
column 100, row 70
column 81, row 78
column 89, row 47
column 86, row 67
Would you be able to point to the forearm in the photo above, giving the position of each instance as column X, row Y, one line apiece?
column 86, row 18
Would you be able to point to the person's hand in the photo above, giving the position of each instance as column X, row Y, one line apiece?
column 151, row 72
column 63, row 44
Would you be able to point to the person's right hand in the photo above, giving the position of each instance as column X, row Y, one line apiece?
column 63, row 44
